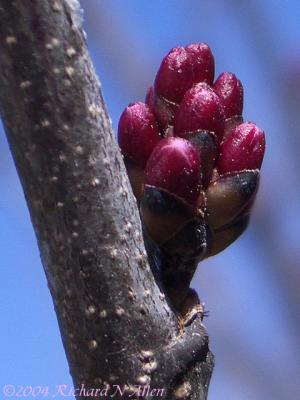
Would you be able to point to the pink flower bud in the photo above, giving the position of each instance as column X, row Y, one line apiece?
column 203, row 63
column 200, row 109
column 138, row 133
column 231, row 92
column 174, row 166
column 182, row 68
column 243, row 149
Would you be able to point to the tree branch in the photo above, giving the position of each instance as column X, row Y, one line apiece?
column 115, row 322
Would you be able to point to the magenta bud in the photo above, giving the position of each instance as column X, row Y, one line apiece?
column 138, row 133
column 203, row 63
column 243, row 149
column 174, row 165
column 174, row 75
column 200, row 109
column 182, row 68
column 231, row 92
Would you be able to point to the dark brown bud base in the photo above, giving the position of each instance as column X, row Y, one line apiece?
column 192, row 162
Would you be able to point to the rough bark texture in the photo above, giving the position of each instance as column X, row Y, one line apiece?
column 116, row 324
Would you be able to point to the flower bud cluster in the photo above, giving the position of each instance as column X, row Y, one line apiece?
column 192, row 162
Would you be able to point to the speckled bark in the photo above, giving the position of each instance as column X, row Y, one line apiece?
column 116, row 325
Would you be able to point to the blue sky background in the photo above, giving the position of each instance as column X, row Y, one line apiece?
column 252, row 289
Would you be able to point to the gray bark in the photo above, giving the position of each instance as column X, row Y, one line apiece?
column 116, row 324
